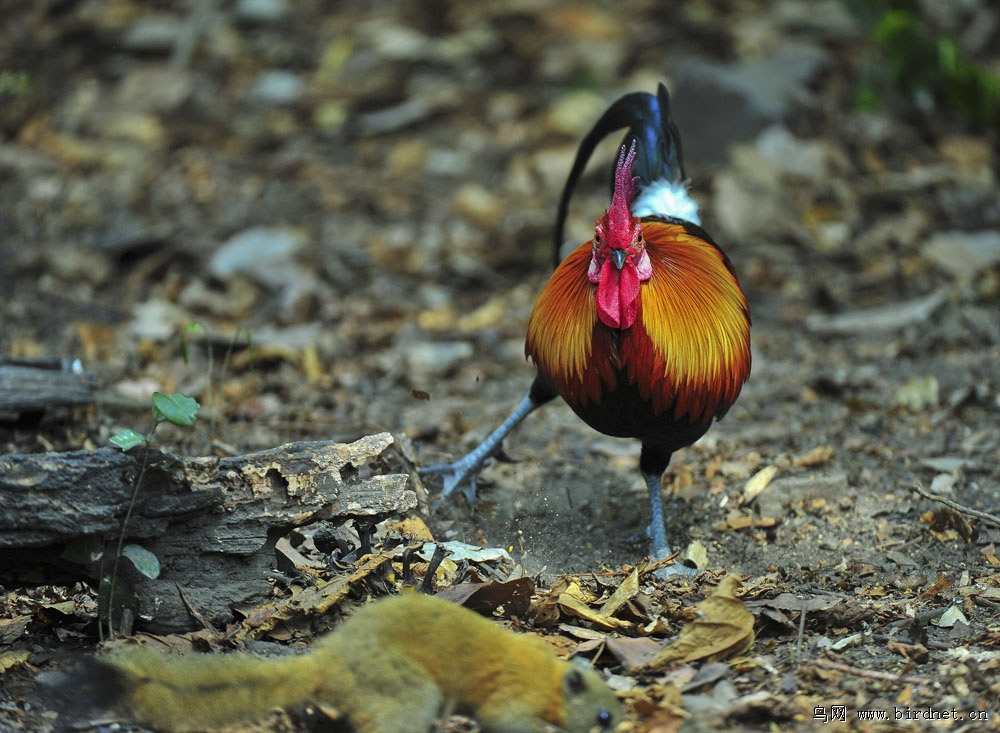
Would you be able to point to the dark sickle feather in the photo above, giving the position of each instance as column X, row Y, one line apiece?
column 658, row 146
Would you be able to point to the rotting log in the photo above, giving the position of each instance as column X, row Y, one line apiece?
column 36, row 385
column 212, row 522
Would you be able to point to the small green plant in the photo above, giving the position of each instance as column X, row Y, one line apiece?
column 195, row 328
column 178, row 409
column 925, row 66
column 114, row 595
column 15, row 83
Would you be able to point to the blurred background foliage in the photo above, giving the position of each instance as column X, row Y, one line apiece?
column 922, row 62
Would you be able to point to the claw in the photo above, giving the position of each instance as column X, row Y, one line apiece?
column 460, row 475
column 678, row 569
column 657, row 554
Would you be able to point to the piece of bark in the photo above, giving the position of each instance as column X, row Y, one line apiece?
column 211, row 522
column 35, row 385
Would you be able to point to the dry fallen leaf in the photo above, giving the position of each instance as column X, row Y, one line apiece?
column 514, row 595
column 936, row 588
column 413, row 528
column 989, row 552
column 816, row 457
column 12, row 629
column 659, row 706
column 743, row 521
column 312, row 364
column 311, row 601
column 950, row 617
column 307, row 565
column 633, row 652
column 13, row 658
column 947, row 525
column 624, row 593
column 757, row 483
column 916, row 653
column 724, row 629
column 574, row 606
column 546, row 609
column 695, row 554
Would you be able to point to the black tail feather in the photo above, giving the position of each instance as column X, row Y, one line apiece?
column 658, row 145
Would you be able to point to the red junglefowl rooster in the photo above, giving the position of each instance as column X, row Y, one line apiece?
column 643, row 330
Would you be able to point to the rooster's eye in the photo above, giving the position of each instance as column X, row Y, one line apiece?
column 597, row 239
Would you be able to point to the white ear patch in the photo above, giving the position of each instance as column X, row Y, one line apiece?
column 663, row 198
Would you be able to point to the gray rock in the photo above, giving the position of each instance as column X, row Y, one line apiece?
column 261, row 11
column 257, row 252
column 717, row 105
column 436, row 357
column 277, row 87
column 964, row 254
column 153, row 33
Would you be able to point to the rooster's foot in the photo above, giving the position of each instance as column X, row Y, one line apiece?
column 661, row 553
column 678, row 569
column 458, row 476
column 657, row 533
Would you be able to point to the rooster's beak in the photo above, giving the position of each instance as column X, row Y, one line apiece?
column 619, row 255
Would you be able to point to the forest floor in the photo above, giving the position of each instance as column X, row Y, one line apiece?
column 368, row 192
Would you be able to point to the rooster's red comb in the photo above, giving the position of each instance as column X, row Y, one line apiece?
column 625, row 190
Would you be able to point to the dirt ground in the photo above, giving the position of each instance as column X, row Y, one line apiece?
column 368, row 190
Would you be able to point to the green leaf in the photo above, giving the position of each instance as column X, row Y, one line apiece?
column 15, row 83
column 66, row 608
column 144, row 560
column 866, row 98
column 176, row 408
column 924, row 64
column 193, row 327
column 127, row 439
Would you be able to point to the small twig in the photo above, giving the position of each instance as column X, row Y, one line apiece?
column 802, row 631
column 930, row 644
column 195, row 613
column 213, row 425
column 664, row 563
column 960, row 508
column 121, row 537
column 873, row 674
